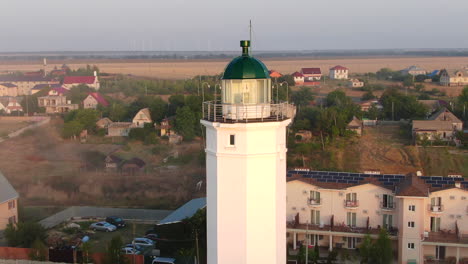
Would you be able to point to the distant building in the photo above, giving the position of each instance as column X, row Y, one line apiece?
column 26, row 83
column 8, row 203
column 103, row 122
column 8, row 89
column 355, row 83
column 164, row 128
column 274, row 74
column 91, row 81
column 454, row 77
column 366, row 105
column 93, row 100
column 58, row 90
column 339, row 73
column 311, row 74
column 414, row 70
column 355, row 125
column 298, row 78
column 442, row 125
column 11, row 104
column 119, row 129
column 142, row 117
column 56, row 103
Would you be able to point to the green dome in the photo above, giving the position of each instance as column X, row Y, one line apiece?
column 246, row 67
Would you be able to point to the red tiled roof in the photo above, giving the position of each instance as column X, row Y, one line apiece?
column 79, row 79
column 311, row 71
column 99, row 99
column 60, row 90
column 297, row 74
column 339, row 67
column 274, row 74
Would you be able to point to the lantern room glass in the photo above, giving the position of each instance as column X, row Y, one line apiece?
column 246, row 91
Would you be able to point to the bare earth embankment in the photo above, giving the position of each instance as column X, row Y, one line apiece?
column 182, row 69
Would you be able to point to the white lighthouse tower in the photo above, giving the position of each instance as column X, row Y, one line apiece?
column 246, row 167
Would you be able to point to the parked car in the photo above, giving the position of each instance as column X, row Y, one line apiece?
column 115, row 220
column 142, row 241
column 103, row 226
column 160, row 260
column 130, row 251
column 153, row 237
column 136, row 247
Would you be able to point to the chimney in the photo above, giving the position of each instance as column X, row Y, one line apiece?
column 458, row 184
column 95, row 73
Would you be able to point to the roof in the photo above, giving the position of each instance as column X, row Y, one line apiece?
column 274, row 74
column 432, row 125
column 103, row 121
column 79, row 80
column 9, row 85
column 297, row 74
column 60, row 90
column 445, row 115
column 409, row 185
column 145, row 111
column 245, row 66
column 7, row 192
column 113, row 159
column 15, row 78
column 311, row 71
column 99, row 99
column 339, row 67
column 354, row 123
column 185, row 211
column 120, row 125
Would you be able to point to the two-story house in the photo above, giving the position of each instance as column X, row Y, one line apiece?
column 8, row 203
column 454, row 77
column 442, row 125
column 93, row 100
column 339, row 73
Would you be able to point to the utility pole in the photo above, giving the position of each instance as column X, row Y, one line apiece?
column 196, row 244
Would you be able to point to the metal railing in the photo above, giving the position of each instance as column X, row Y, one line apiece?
column 314, row 201
column 436, row 208
column 216, row 111
column 387, row 205
column 351, row 203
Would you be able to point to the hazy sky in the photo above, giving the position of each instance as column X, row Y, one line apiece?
column 84, row 25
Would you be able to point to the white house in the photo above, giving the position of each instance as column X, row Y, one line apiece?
column 339, row 73
column 142, row 117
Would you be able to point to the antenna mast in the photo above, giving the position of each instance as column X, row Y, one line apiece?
column 250, row 32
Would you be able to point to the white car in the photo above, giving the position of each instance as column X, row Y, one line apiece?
column 159, row 260
column 141, row 241
column 130, row 251
column 103, row 226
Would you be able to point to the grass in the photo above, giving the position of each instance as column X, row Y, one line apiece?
column 443, row 160
column 37, row 213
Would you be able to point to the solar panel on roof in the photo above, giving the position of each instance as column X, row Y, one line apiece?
column 342, row 181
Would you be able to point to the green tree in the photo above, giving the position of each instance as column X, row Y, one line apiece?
column 24, row 234
column 72, row 129
column 399, row 106
column 86, row 249
column 113, row 253
column 368, row 96
column 175, row 102
column 38, row 251
column 302, row 97
column 408, row 81
column 185, row 122
column 117, row 112
column 463, row 97
column 382, row 249
column 365, row 249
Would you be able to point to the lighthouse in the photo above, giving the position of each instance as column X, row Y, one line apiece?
column 246, row 166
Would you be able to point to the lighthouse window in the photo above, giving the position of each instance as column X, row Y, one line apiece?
column 232, row 140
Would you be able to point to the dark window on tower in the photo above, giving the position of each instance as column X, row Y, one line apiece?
column 232, row 140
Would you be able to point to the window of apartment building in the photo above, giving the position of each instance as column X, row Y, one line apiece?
column 315, row 196
column 435, row 224
column 315, row 217
column 436, row 201
column 313, row 239
column 410, row 245
column 352, row 241
column 351, row 219
column 440, row 252
column 387, row 201
column 11, row 204
column 387, row 221
column 412, row 208
column 351, row 197
column 232, row 140
column 411, row 224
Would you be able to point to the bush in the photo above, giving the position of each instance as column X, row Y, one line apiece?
column 24, row 234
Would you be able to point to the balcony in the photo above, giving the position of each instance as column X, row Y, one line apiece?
column 247, row 113
column 436, row 208
column 387, row 206
column 341, row 229
column 351, row 204
column 314, row 202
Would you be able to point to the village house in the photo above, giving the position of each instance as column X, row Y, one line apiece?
column 26, row 83
column 339, row 73
column 164, row 128
column 274, row 74
column 8, row 203
column 433, row 105
column 133, row 166
column 175, row 138
column 425, row 216
column 93, row 100
column 454, row 77
column 56, row 101
column 8, row 89
column 440, row 126
column 112, row 162
column 119, row 129
column 366, row 105
column 311, row 74
column 103, row 122
column 355, row 83
column 11, row 105
column 414, row 70
column 142, row 117
column 90, row 81
column 298, row 78
column 355, row 125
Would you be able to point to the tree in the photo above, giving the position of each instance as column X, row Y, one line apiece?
column 113, row 254
column 399, row 106
column 71, row 129
column 463, row 97
column 86, row 249
column 338, row 98
column 408, row 81
column 117, row 112
column 382, row 249
column 24, row 234
column 38, row 251
column 302, row 97
column 368, row 96
column 365, row 249
column 185, row 122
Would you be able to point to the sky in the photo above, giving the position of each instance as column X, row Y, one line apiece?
column 218, row 25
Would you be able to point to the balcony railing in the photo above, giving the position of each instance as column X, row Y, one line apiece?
column 351, row 203
column 387, row 205
column 216, row 111
column 342, row 228
column 314, row 202
column 436, row 208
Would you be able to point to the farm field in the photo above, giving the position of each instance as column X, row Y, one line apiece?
column 182, row 69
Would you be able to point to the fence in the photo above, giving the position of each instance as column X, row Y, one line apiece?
column 77, row 212
column 24, row 261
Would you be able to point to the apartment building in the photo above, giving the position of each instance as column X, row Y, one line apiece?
column 8, row 203
column 426, row 216
column 24, row 84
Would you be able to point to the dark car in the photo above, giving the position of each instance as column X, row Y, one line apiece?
column 117, row 221
column 153, row 237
